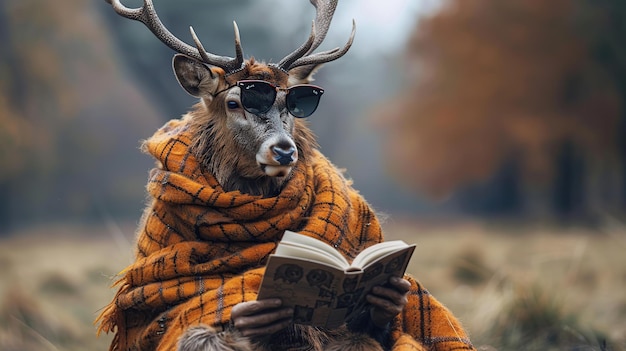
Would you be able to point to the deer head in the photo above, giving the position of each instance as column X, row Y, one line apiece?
column 248, row 129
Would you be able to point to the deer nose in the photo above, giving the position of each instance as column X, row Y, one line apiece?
column 283, row 154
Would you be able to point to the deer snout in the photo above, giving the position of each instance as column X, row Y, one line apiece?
column 283, row 154
column 277, row 156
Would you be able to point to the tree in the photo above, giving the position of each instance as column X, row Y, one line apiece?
column 66, row 116
column 537, row 84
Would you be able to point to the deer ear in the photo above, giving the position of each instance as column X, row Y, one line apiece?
column 194, row 76
column 303, row 74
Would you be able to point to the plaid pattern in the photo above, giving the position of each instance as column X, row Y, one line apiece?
column 201, row 250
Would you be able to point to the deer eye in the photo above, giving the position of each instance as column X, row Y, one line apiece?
column 232, row 104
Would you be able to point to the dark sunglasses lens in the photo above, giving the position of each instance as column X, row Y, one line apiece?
column 302, row 101
column 257, row 97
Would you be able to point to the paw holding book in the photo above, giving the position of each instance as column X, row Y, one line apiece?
column 326, row 290
column 388, row 300
column 261, row 317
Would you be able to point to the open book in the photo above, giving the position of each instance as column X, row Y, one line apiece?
column 321, row 285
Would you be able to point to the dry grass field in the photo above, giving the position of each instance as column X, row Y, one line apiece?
column 515, row 287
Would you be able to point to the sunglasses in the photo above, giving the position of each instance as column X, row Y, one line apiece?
column 257, row 96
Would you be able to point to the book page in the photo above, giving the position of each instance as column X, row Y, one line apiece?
column 376, row 251
column 322, row 294
column 296, row 239
column 378, row 273
column 309, row 253
column 312, row 289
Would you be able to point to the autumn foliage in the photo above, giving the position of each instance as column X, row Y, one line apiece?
column 66, row 114
column 490, row 81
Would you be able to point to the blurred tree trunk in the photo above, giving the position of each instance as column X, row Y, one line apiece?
column 569, row 183
column 622, row 146
column 620, row 63
column 7, row 55
column 610, row 51
column 12, row 70
column 4, row 211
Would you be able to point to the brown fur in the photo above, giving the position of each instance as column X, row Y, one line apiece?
column 215, row 146
column 353, row 342
column 204, row 338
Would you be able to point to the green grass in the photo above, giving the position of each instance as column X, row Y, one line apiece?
column 514, row 286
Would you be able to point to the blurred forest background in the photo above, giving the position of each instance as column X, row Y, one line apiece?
column 81, row 86
column 510, row 108
column 493, row 130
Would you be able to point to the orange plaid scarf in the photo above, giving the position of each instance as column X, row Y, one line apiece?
column 202, row 250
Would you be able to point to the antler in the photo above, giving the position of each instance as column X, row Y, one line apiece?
column 148, row 16
column 302, row 56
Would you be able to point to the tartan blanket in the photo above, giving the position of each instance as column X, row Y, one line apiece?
column 201, row 250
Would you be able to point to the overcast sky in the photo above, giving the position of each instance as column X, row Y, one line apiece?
column 381, row 24
column 385, row 23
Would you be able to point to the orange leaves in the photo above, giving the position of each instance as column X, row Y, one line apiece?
column 499, row 79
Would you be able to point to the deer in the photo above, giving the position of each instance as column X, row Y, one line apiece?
column 248, row 132
column 261, row 123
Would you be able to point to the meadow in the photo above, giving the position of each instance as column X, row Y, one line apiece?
column 514, row 286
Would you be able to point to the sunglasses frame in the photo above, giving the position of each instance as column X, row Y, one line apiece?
column 318, row 91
